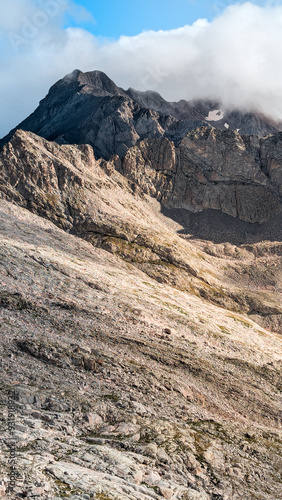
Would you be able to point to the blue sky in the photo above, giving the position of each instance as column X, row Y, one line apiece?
column 113, row 18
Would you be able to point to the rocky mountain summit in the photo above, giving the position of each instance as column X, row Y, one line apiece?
column 171, row 150
column 88, row 108
column 140, row 302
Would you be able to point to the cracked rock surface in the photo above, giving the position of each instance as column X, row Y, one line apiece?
column 141, row 361
column 183, row 399
column 140, row 299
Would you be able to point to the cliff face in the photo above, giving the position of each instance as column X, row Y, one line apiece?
column 88, row 108
column 239, row 176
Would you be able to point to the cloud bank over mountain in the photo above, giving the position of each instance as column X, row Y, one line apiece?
column 236, row 58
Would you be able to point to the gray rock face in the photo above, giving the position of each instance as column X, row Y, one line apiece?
column 88, row 108
column 211, row 169
column 240, row 176
column 209, row 112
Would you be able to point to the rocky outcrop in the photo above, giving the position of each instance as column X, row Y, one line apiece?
column 88, row 108
column 209, row 112
column 84, row 196
column 239, row 176
column 91, row 199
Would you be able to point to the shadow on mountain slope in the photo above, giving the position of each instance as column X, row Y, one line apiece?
column 218, row 227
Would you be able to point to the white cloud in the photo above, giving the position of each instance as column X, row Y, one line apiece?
column 235, row 58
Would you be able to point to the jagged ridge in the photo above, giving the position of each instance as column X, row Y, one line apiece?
column 88, row 108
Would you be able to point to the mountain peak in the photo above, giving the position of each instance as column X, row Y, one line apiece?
column 73, row 76
column 95, row 82
column 89, row 108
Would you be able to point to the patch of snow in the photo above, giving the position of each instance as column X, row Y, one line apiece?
column 215, row 115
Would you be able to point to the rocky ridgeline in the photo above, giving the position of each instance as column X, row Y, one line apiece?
column 171, row 150
column 210, row 169
column 88, row 108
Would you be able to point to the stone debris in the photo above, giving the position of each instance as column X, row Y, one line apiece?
column 138, row 360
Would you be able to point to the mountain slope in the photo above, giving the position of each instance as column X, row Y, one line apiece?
column 140, row 300
column 141, row 365
column 126, row 388
column 89, row 198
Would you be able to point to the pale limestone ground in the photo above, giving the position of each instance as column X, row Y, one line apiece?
column 129, row 388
